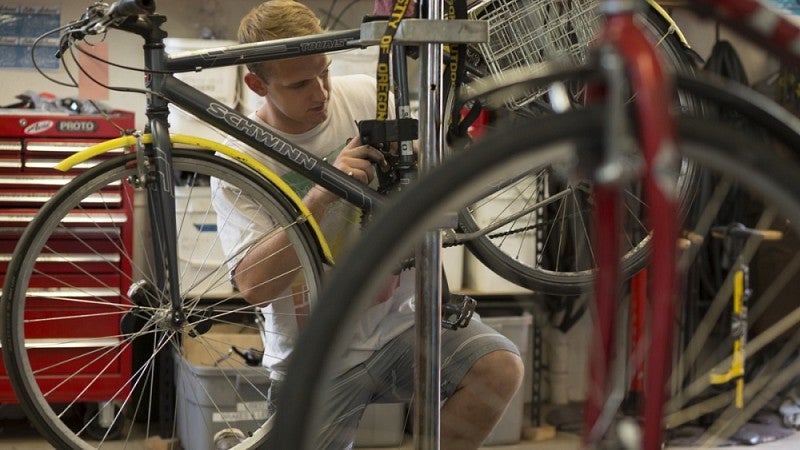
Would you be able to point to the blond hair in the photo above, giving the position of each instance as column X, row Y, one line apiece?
column 276, row 19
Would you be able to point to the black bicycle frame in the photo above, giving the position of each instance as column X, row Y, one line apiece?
column 161, row 81
column 164, row 89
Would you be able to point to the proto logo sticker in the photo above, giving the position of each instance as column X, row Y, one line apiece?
column 77, row 126
column 39, row 127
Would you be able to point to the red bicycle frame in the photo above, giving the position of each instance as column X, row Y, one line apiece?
column 655, row 131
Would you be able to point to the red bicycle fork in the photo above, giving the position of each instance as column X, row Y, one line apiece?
column 655, row 133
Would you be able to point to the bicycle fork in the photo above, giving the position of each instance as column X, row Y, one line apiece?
column 159, row 302
column 629, row 60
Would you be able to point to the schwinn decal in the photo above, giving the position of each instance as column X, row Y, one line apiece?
column 261, row 135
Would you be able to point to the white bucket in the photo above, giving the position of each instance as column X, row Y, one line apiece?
column 480, row 278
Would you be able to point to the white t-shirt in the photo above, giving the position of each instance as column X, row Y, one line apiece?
column 352, row 98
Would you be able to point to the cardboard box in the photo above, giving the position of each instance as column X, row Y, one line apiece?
column 213, row 349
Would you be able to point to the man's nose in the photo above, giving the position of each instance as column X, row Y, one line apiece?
column 321, row 89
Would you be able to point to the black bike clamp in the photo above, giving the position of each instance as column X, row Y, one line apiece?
column 381, row 134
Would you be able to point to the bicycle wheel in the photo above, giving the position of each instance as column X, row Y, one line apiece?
column 570, row 143
column 131, row 375
column 532, row 232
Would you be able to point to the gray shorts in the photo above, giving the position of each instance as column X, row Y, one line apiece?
column 388, row 377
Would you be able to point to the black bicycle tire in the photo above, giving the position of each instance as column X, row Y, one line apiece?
column 347, row 291
column 554, row 281
column 118, row 168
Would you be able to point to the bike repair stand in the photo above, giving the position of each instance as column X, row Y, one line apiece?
column 429, row 34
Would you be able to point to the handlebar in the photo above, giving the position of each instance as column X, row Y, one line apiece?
column 99, row 16
column 127, row 8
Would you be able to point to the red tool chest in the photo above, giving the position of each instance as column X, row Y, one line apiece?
column 30, row 144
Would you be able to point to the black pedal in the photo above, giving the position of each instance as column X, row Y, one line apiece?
column 457, row 312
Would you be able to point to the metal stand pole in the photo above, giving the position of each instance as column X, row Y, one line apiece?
column 429, row 264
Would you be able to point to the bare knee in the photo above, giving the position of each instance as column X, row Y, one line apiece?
column 500, row 372
column 482, row 396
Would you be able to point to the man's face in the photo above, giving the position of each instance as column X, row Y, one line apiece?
column 297, row 92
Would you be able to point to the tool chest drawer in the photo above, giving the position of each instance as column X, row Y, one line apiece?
column 31, row 144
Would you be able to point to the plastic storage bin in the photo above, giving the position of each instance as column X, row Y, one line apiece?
column 516, row 328
column 211, row 398
column 382, row 425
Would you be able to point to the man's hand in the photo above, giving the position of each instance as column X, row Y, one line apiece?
column 356, row 160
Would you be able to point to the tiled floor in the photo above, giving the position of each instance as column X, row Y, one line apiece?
column 569, row 442
column 17, row 435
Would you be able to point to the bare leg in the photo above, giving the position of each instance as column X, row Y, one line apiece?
column 471, row 413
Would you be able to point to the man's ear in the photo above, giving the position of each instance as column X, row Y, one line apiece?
column 255, row 84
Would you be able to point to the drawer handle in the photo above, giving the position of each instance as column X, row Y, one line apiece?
column 72, row 343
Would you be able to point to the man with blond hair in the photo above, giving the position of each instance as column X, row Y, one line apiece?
column 481, row 369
